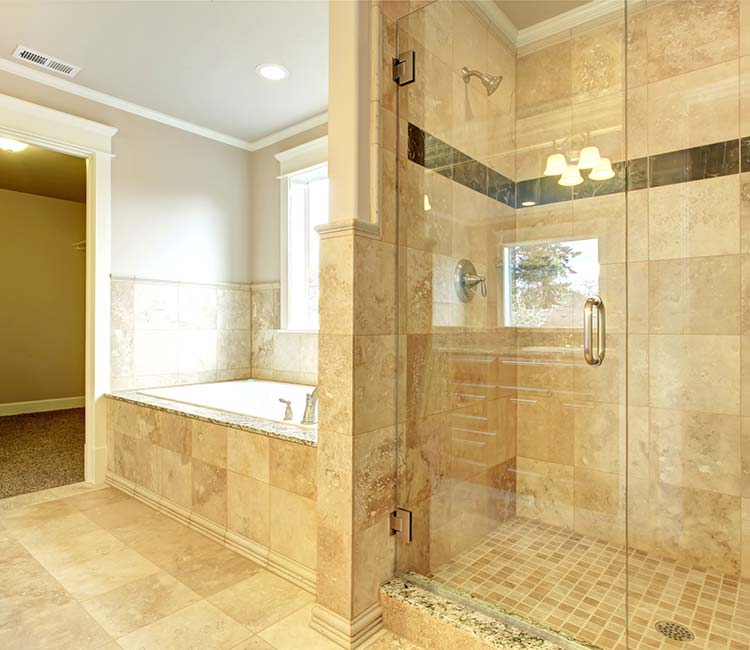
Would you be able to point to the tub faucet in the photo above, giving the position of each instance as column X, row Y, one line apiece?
column 310, row 403
column 288, row 412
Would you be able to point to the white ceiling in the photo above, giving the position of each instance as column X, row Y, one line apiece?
column 191, row 60
column 526, row 13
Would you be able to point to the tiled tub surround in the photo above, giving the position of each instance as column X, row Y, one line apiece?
column 167, row 333
column 280, row 355
column 253, row 492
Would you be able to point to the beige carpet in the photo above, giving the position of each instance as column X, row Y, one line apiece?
column 40, row 451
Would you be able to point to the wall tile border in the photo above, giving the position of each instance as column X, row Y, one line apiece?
column 681, row 166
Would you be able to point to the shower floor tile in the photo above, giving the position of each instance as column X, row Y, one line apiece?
column 577, row 585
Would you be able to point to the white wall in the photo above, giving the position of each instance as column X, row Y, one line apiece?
column 181, row 203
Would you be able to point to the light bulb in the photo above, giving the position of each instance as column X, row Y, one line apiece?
column 427, row 205
column 14, row 146
column 589, row 158
column 570, row 177
column 603, row 171
column 556, row 164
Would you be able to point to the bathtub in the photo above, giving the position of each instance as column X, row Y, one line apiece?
column 251, row 397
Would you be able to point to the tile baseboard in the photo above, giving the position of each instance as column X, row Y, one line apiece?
column 284, row 567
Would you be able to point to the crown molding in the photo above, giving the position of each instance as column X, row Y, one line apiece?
column 546, row 28
column 90, row 94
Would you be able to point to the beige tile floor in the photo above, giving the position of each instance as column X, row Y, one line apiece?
column 577, row 585
column 93, row 569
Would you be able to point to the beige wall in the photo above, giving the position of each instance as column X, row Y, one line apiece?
column 180, row 202
column 42, row 284
column 264, row 170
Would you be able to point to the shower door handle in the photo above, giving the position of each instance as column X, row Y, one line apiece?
column 594, row 358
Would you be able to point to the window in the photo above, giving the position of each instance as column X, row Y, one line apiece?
column 546, row 283
column 304, row 205
column 307, row 207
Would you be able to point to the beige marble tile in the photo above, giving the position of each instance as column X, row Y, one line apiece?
column 200, row 625
column 545, row 491
column 247, row 454
column 234, row 349
column 684, row 36
column 697, row 450
column 745, row 455
column 336, row 390
column 336, row 301
column 233, row 309
column 695, row 373
column 600, row 437
column 209, row 497
column 139, row 603
column 544, row 79
column 261, row 600
column 694, row 219
column 93, row 498
column 699, row 295
column 602, row 218
column 375, row 291
column 196, row 307
column 295, row 534
column 598, row 60
column 104, row 573
column 697, row 526
column 375, row 365
column 293, row 467
column 32, row 516
column 254, row 643
column 156, row 306
column 248, row 507
column 374, row 559
column 122, row 316
column 21, row 500
column 176, row 479
column 746, row 538
column 744, row 27
column 294, row 632
column 600, row 505
column 374, row 468
column 638, row 370
column 693, row 109
column 74, row 489
column 545, row 428
column 209, row 443
column 638, row 297
column 421, row 228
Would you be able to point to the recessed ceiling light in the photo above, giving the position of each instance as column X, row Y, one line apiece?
column 15, row 146
column 272, row 71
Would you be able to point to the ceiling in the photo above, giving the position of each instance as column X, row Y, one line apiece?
column 41, row 171
column 191, row 60
column 526, row 13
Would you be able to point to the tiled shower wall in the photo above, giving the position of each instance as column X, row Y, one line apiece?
column 457, row 410
column 682, row 251
column 168, row 333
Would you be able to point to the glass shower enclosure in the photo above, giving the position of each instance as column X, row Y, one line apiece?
column 573, row 317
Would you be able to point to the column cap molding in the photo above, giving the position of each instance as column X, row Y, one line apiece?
column 353, row 227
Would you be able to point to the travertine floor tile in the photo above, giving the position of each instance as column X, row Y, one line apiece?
column 391, row 641
column 88, row 499
column 58, row 627
column 294, row 633
column 22, row 500
column 255, row 643
column 31, row 516
column 55, row 552
column 199, row 626
column 137, row 604
column 261, row 600
column 102, row 574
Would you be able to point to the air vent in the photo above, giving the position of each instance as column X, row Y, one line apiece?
column 41, row 60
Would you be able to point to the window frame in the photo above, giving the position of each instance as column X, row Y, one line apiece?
column 303, row 158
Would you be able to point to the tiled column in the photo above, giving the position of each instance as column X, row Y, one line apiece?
column 357, row 358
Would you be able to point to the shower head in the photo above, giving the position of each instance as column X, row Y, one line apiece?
column 491, row 82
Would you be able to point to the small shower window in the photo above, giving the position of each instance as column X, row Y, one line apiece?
column 547, row 282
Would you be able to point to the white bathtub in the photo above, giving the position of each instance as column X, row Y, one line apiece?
column 247, row 397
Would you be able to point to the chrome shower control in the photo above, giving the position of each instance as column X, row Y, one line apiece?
column 465, row 281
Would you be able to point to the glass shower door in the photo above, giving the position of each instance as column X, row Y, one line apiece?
column 511, row 217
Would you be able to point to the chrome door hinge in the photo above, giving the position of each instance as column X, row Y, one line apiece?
column 401, row 523
column 404, row 68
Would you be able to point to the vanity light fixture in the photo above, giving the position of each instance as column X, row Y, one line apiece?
column 14, row 146
column 589, row 157
column 272, row 71
column 571, row 177
column 602, row 171
column 556, row 164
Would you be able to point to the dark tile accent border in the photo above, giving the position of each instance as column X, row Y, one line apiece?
column 696, row 163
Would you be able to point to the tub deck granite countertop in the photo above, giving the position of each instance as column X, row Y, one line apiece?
column 285, row 431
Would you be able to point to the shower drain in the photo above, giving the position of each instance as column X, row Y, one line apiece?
column 674, row 631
